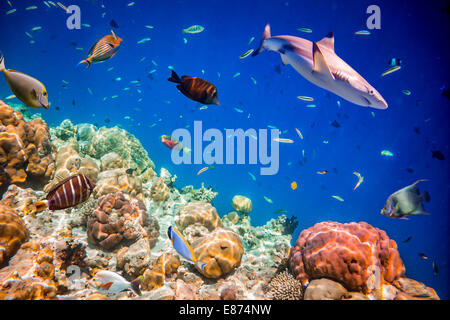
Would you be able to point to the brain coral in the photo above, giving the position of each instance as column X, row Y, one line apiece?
column 350, row 253
column 117, row 217
column 13, row 233
column 118, row 180
column 197, row 212
column 221, row 250
column 25, row 149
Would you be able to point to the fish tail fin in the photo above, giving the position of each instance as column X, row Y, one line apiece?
column 265, row 35
column 426, row 196
column 85, row 62
column 135, row 285
column 31, row 208
column 174, row 77
column 2, row 62
column 187, row 150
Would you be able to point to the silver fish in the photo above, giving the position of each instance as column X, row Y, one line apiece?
column 405, row 202
column 318, row 63
column 111, row 282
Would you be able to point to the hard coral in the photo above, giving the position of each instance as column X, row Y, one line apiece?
column 155, row 275
column 13, row 233
column 118, row 180
column 324, row 289
column 221, row 251
column 242, row 204
column 159, row 191
column 117, row 218
column 283, row 286
column 350, row 253
column 25, row 149
column 202, row 213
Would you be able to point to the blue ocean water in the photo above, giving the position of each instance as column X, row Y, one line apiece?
column 415, row 33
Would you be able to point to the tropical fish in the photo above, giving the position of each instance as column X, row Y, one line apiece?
column 305, row 98
column 437, row 154
column 307, row 30
column 363, row 32
column 387, row 153
column 129, row 171
column 202, row 170
column 143, row 40
column 299, row 133
column 405, row 202
column 268, row 199
column 251, row 40
column 171, row 143
column 237, row 74
column 246, row 54
column 408, row 239
column 111, row 282
column 114, row 24
column 435, row 268
column 26, row 88
column 360, row 179
column 395, row 62
column 319, row 64
column 390, row 70
column 338, row 198
column 103, row 49
column 60, row 5
column 254, row 80
column 238, row 110
column 252, row 176
column 293, row 185
column 183, row 247
column 423, row 255
column 406, row 92
column 194, row 29
column 31, row 8
column 11, row 11
column 196, row 89
column 322, row 172
column 280, row 211
column 67, row 193
column 283, row 140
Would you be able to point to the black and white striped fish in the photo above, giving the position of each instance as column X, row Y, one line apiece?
column 67, row 193
column 103, row 49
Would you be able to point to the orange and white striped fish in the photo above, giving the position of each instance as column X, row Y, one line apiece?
column 103, row 49
column 67, row 193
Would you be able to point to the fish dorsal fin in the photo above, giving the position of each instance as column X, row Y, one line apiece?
column 320, row 64
column 328, row 41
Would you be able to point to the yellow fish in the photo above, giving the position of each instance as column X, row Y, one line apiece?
column 26, row 88
column 282, row 140
column 360, row 179
column 202, row 170
column 338, row 198
column 299, row 133
column 294, row 185
column 305, row 98
column 390, row 70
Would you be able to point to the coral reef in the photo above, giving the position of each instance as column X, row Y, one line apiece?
column 69, row 162
column 13, row 233
column 118, row 180
column 324, row 289
column 283, row 286
column 155, row 276
column 242, row 204
column 349, row 253
column 200, row 213
column 159, row 191
column 117, row 218
column 221, row 251
column 25, row 149
column 203, row 194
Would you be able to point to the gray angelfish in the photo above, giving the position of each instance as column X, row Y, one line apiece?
column 318, row 63
column 406, row 202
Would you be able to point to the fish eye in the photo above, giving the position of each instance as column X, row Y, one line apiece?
column 45, row 93
column 371, row 92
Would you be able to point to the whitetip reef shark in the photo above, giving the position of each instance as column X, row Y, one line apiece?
column 318, row 63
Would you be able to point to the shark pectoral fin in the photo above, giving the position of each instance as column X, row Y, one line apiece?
column 320, row 64
column 328, row 41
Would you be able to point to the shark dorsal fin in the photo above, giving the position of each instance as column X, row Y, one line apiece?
column 320, row 64
column 328, row 41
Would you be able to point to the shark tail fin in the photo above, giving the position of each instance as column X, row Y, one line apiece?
column 266, row 35
column 174, row 77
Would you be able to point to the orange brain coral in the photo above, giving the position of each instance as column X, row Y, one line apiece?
column 12, row 233
column 25, row 149
column 350, row 253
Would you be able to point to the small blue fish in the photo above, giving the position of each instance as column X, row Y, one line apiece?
column 183, row 247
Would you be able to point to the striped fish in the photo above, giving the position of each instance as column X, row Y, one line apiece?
column 103, row 49
column 67, row 193
column 196, row 89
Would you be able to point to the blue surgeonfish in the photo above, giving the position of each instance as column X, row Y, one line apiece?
column 318, row 63
column 26, row 88
column 183, row 247
column 111, row 282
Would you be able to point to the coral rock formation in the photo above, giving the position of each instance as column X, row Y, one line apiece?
column 118, row 217
column 159, row 191
column 25, row 149
column 283, row 286
column 412, row 289
column 201, row 213
column 221, row 250
column 242, row 204
column 350, row 253
column 117, row 180
column 13, row 233
column 324, row 289
column 155, row 275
